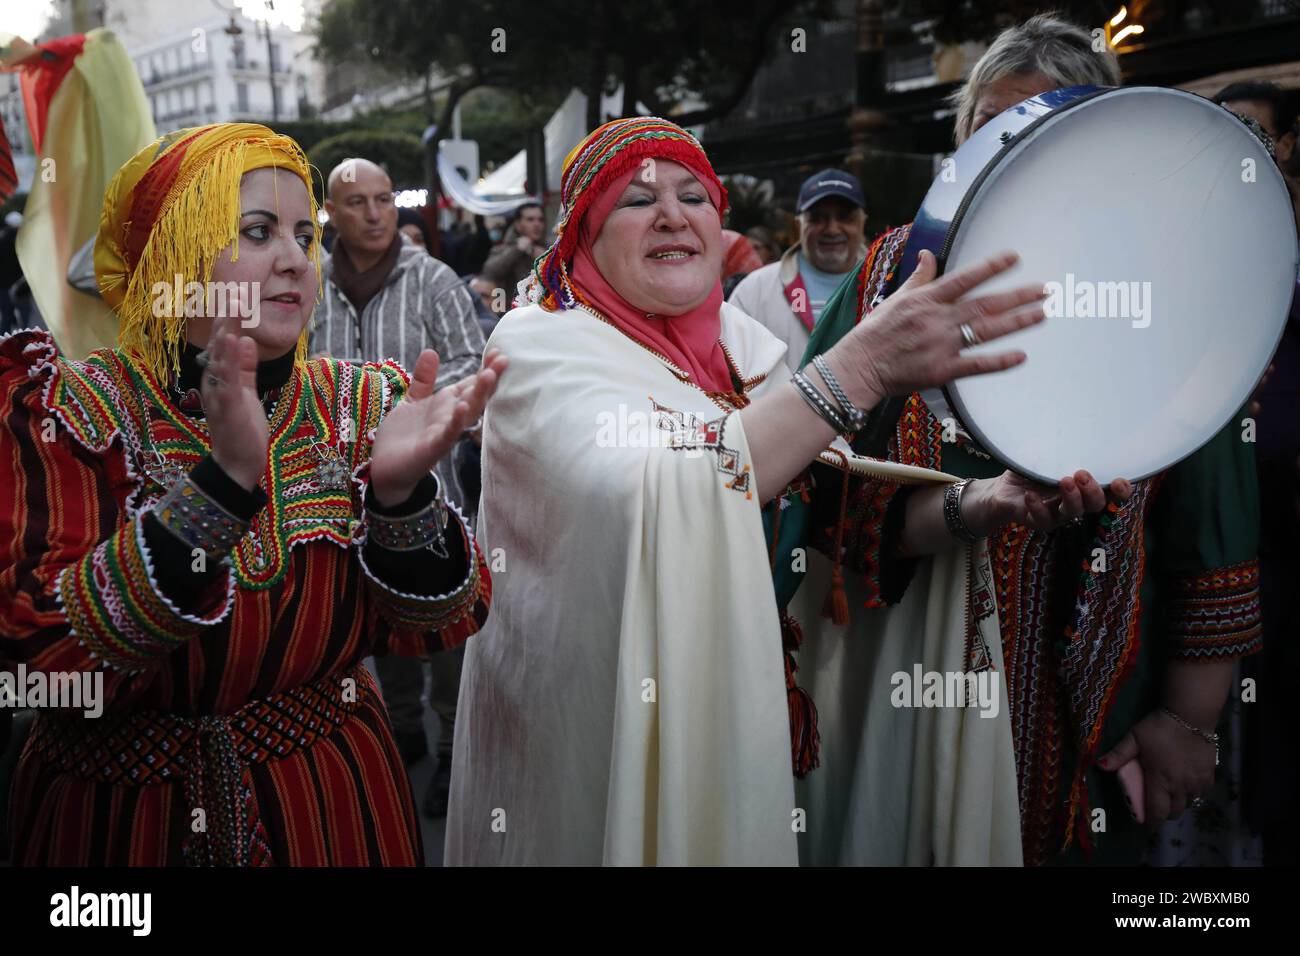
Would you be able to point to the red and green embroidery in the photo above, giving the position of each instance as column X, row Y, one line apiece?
column 1216, row 613
column 454, row 615
column 115, row 608
column 328, row 410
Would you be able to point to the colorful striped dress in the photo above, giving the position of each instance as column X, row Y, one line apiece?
column 241, row 729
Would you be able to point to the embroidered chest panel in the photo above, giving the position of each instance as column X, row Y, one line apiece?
column 692, row 434
column 321, row 431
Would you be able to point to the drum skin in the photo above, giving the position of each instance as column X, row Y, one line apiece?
column 935, row 218
column 1156, row 180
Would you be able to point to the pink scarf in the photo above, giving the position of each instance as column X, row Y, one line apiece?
column 690, row 340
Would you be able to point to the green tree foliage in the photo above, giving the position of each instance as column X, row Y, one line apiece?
column 499, row 120
column 399, row 153
column 665, row 54
column 309, row 132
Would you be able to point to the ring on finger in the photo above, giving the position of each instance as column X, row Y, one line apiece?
column 1070, row 520
column 1198, row 801
column 968, row 336
column 213, row 380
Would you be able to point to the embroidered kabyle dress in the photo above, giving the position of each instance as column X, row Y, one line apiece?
column 1084, row 651
column 239, row 726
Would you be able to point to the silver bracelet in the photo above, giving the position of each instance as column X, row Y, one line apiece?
column 198, row 520
column 414, row 532
column 854, row 417
column 818, row 402
column 957, row 527
column 1209, row 738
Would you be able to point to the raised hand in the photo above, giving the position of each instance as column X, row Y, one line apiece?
column 236, row 420
column 914, row 339
column 425, row 425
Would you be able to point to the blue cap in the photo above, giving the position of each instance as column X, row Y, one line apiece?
column 830, row 182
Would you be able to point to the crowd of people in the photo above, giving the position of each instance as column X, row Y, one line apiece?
column 400, row 462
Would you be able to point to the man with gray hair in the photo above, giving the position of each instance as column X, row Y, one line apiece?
column 787, row 296
column 383, row 298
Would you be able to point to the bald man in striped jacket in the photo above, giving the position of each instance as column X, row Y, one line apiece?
column 382, row 298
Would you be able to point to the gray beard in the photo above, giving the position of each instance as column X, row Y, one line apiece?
column 834, row 264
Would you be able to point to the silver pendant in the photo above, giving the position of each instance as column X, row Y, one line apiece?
column 331, row 471
column 162, row 472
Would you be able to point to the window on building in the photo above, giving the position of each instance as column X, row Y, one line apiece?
column 241, row 97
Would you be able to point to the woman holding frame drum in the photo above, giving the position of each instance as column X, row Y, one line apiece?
column 1128, row 726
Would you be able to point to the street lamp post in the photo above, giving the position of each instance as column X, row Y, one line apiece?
column 270, row 72
column 264, row 27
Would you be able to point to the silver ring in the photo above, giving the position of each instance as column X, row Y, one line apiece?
column 968, row 335
column 1198, row 801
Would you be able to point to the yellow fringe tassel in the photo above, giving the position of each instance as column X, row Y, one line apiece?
column 199, row 220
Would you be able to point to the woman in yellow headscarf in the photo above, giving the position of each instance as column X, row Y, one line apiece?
column 202, row 534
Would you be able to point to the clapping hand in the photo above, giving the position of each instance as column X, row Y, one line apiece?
column 425, row 425
column 236, row 420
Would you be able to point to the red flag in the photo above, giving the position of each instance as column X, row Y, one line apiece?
column 8, row 175
column 41, row 76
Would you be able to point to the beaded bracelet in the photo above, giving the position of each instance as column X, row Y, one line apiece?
column 813, row 396
column 855, row 417
column 952, row 496
column 414, row 532
column 198, row 520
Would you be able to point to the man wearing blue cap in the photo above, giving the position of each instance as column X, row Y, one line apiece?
column 788, row 295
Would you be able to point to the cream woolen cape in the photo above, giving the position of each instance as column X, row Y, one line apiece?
column 927, row 786
column 625, row 703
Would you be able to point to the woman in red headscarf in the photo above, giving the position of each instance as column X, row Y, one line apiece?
column 626, row 702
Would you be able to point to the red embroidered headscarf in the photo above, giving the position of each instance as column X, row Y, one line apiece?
column 595, row 174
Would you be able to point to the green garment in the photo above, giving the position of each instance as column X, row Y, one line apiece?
column 795, row 521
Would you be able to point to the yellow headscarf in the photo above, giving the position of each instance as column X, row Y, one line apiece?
column 170, row 211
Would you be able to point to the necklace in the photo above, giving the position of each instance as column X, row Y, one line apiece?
column 727, row 401
column 310, row 456
column 194, row 442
